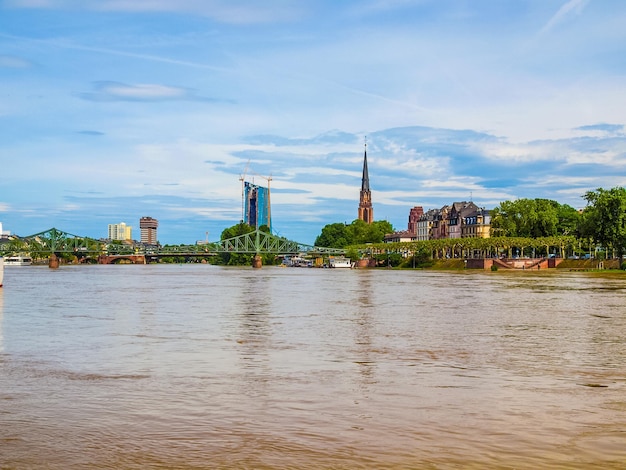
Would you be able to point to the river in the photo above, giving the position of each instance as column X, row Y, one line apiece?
column 198, row 366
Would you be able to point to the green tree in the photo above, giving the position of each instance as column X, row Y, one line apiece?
column 340, row 235
column 569, row 220
column 236, row 259
column 605, row 218
column 240, row 229
column 333, row 236
column 533, row 218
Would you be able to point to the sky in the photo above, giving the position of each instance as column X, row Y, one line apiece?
column 112, row 110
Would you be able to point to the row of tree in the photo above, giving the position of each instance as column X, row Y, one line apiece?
column 602, row 222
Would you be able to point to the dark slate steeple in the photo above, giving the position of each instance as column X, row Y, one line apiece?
column 365, row 181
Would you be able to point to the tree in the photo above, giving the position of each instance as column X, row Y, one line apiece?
column 340, row 235
column 569, row 220
column 605, row 218
column 333, row 236
column 533, row 218
column 237, row 259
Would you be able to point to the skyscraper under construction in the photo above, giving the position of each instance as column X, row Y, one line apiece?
column 257, row 205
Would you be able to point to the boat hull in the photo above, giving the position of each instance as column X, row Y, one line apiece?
column 18, row 261
column 340, row 263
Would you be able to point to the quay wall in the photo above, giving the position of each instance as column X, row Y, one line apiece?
column 542, row 263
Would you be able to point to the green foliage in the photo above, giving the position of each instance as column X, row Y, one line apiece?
column 569, row 220
column 333, row 236
column 533, row 218
column 241, row 259
column 487, row 247
column 240, row 229
column 604, row 218
column 420, row 258
column 235, row 259
column 340, row 235
column 353, row 254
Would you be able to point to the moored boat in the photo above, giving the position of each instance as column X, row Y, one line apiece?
column 18, row 260
column 339, row 262
column 1, row 270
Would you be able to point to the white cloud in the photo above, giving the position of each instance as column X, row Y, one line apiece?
column 567, row 9
column 114, row 91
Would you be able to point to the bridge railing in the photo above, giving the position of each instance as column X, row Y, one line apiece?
column 57, row 241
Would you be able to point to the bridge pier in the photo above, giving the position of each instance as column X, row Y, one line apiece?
column 257, row 261
column 53, row 261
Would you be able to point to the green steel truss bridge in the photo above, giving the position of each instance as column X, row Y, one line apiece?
column 59, row 242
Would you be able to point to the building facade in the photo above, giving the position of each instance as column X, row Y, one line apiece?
column 425, row 224
column 257, row 206
column 148, row 227
column 120, row 231
column 477, row 224
column 410, row 234
column 459, row 220
column 366, row 211
column 414, row 216
column 459, row 211
column 439, row 227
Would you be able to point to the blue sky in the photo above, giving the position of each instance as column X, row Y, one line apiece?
column 111, row 110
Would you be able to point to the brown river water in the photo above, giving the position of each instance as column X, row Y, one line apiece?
column 197, row 366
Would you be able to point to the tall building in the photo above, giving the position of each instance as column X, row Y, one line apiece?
column 148, row 227
column 120, row 231
column 414, row 216
column 257, row 206
column 366, row 211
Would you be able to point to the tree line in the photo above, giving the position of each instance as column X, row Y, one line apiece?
column 601, row 223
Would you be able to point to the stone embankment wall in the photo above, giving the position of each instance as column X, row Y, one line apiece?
column 538, row 264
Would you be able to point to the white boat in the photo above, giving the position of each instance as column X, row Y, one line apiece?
column 18, row 260
column 296, row 262
column 339, row 262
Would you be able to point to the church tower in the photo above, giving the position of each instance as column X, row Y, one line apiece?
column 366, row 212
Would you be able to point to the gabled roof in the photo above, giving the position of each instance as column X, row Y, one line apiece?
column 461, row 209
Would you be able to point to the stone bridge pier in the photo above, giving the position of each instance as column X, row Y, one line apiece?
column 53, row 261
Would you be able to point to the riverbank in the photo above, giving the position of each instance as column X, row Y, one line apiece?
column 611, row 265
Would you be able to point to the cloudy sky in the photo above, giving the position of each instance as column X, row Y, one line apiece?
column 111, row 110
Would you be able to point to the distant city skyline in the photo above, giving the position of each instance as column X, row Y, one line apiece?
column 112, row 110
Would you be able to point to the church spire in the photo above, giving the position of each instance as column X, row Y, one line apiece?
column 365, row 181
column 366, row 212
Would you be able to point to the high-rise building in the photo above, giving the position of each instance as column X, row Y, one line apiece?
column 366, row 211
column 148, row 227
column 257, row 206
column 120, row 231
